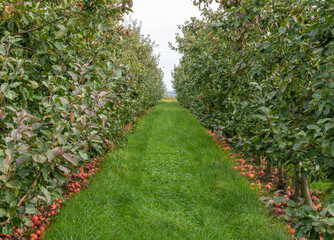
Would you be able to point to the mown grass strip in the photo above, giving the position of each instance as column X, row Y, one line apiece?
column 169, row 182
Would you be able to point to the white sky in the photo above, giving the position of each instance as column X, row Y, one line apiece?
column 159, row 19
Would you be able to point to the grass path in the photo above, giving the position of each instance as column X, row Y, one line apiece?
column 169, row 182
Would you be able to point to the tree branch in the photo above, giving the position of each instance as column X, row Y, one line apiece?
column 5, row 222
column 26, row 48
column 38, row 15
column 31, row 187
column 40, row 27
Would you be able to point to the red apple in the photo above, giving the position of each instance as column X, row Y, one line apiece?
column 33, row 236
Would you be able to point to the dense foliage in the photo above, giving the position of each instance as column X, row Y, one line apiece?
column 71, row 74
column 260, row 72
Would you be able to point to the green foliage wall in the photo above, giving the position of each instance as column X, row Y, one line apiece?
column 261, row 72
column 70, row 75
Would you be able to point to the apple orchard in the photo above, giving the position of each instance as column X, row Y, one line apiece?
column 74, row 78
column 259, row 74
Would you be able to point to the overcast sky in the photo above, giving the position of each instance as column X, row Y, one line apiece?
column 159, row 19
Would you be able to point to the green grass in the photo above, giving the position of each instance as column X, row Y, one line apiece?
column 169, row 182
column 168, row 98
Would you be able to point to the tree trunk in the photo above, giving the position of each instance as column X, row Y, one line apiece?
column 258, row 163
column 281, row 173
column 281, row 183
column 269, row 169
column 298, row 193
column 306, row 190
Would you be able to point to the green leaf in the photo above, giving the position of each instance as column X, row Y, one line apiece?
column 260, row 117
column 31, row 210
column 264, row 198
column 2, row 51
column 4, row 87
column 59, row 46
column 46, row 133
column 11, row 95
column 265, row 110
column 23, row 157
column 282, row 30
column 102, row 74
column 271, row 95
column 118, row 73
column 297, row 145
column 51, row 155
column 281, row 144
column 47, row 194
column 289, row 211
column 16, row 84
column 314, row 32
column 71, row 158
column 39, row 158
column 24, row 171
column 25, row 20
column 83, row 155
column 13, row 184
column 278, row 199
column 329, row 126
column 329, row 221
column 64, row 100
column 291, row 203
column 330, row 209
column 73, row 75
column 7, row 230
column 61, row 27
column 3, row 212
column 10, row 198
column 59, row 34
column 244, row 104
column 312, row 127
column 34, row 84
column 59, row 177
column 63, row 169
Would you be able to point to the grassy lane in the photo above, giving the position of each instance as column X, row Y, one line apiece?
column 169, row 182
